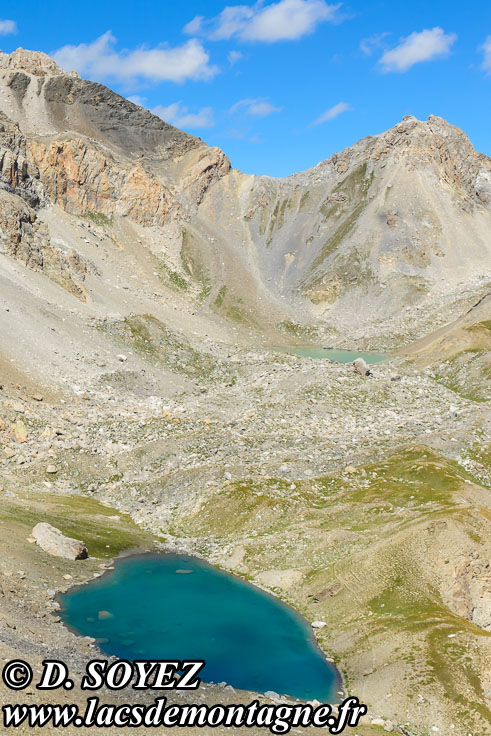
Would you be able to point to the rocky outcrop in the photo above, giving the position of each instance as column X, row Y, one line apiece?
column 24, row 237
column 21, row 232
column 212, row 165
column 326, row 290
column 469, row 594
column 33, row 62
column 81, row 178
column 18, row 174
column 53, row 541
column 416, row 143
column 22, row 195
column 361, row 367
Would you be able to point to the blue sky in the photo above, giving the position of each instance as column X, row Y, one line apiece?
column 278, row 85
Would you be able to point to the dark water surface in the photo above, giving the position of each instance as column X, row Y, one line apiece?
column 167, row 606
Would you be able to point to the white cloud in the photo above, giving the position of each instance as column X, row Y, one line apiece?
column 177, row 114
column 228, row 23
column 257, row 108
column 99, row 60
column 7, row 27
column 368, row 45
column 285, row 20
column 137, row 100
column 486, row 49
column 234, row 56
column 416, row 48
column 195, row 26
column 332, row 113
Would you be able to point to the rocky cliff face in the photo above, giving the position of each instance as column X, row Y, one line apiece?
column 17, row 172
column 22, row 194
column 77, row 145
column 81, row 178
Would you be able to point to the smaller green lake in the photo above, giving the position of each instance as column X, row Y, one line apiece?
column 338, row 356
column 168, row 606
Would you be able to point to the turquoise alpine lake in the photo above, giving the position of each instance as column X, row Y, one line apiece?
column 175, row 607
column 338, row 356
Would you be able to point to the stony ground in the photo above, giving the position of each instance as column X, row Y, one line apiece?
column 361, row 501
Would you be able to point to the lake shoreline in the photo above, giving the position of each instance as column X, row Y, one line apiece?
column 334, row 355
column 135, row 554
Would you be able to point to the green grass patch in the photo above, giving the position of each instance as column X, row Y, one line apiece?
column 220, row 297
column 79, row 517
column 356, row 186
column 178, row 281
column 193, row 265
column 295, row 329
column 416, row 475
column 155, row 342
column 244, row 506
column 468, row 374
column 98, row 218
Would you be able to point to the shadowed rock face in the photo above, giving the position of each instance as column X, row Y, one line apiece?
column 75, row 104
column 18, row 175
column 90, row 107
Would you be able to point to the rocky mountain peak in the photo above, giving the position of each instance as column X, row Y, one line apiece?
column 33, row 62
column 433, row 145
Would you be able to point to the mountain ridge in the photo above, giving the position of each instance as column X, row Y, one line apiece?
column 39, row 64
column 397, row 221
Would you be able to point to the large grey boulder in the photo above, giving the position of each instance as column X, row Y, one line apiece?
column 361, row 367
column 55, row 543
